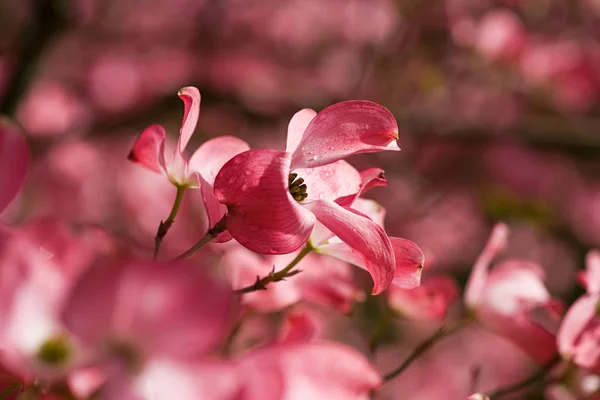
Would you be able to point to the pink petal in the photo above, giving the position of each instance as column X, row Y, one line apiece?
column 191, row 101
column 478, row 279
column 171, row 309
column 149, row 149
column 524, row 332
column 592, row 276
column 408, row 257
column 579, row 317
column 409, row 263
column 296, row 128
column 370, row 178
column 368, row 240
column 430, row 301
column 262, row 214
column 330, row 181
column 343, row 129
column 210, row 157
column 317, row 371
column 14, row 161
column 214, row 210
column 301, row 325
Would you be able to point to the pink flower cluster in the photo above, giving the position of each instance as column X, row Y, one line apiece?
column 86, row 315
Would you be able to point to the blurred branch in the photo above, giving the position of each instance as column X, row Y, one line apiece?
column 46, row 22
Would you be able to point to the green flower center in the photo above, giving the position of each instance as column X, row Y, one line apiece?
column 54, row 351
column 297, row 187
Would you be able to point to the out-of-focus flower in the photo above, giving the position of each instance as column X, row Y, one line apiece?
column 14, row 161
column 151, row 324
column 320, row 370
column 430, row 301
column 500, row 35
column 572, row 383
column 478, row 396
column 39, row 264
column 271, row 210
column 579, row 336
column 512, row 300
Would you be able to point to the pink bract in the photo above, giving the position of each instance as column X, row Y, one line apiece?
column 512, row 300
column 14, row 161
column 264, row 216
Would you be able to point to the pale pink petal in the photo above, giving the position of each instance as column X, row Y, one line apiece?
column 367, row 239
column 343, row 129
column 149, row 149
column 262, row 214
column 592, row 275
column 371, row 209
column 171, row 309
column 180, row 174
column 191, row 100
column 479, row 274
column 430, row 301
column 408, row 257
column 370, row 178
column 316, row 371
column 214, row 210
column 478, row 396
column 210, row 157
column 301, row 325
column 296, row 128
column 163, row 378
column 14, row 161
column 330, row 181
column 409, row 263
column 523, row 331
column 579, row 317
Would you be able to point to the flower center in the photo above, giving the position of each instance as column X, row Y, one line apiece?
column 54, row 351
column 297, row 187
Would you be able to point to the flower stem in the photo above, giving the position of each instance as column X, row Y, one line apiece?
column 209, row 237
column 165, row 225
column 261, row 283
column 539, row 376
column 9, row 390
column 441, row 333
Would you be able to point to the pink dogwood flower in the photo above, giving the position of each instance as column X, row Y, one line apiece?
column 201, row 169
column 275, row 197
column 578, row 338
column 14, row 161
column 511, row 300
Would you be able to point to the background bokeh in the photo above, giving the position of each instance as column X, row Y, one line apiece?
column 497, row 103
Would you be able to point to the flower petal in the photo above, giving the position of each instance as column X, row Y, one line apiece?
column 14, row 161
column 149, row 149
column 210, row 157
column 367, row 239
column 370, row 178
column 591, row 277
column 191, row 101
column 428, row 302
column 409, row 263
column 262, row 214
column 581, row 316
column 330, row 181
column 479, row 275
column 343, row 129
column 409, row 259
column 319, row 371
column 296, row 128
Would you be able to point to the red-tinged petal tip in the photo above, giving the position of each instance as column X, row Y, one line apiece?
column 14, row 161
column 343, row 129
column 191, row 101
column 409, row 263
column 148, row 150
column 262, row 214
